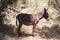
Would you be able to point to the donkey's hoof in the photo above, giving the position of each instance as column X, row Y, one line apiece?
column 19, row 35
column 33, row 34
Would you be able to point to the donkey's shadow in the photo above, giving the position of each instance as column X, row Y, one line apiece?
column 6, row 30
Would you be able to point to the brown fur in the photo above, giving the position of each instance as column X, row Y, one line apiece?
column 30, row 19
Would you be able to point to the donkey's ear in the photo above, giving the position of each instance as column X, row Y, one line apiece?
column 45, row 9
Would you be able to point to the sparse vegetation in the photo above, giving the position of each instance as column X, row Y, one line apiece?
column 46, row 30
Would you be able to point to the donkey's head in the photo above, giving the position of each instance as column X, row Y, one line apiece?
column 45, row 15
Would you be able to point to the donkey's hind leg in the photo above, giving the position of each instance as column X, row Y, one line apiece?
column 19, row 28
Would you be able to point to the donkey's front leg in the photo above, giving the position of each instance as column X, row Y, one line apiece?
column 34, row 27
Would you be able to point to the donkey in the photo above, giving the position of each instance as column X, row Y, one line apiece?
column 30, row 19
